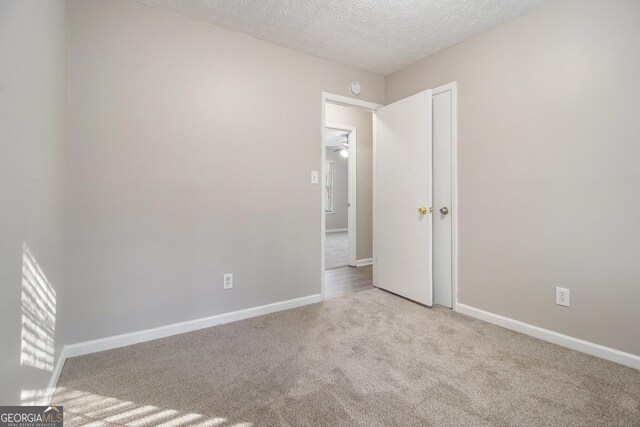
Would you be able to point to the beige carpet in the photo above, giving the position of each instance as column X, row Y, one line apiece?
column 366, row 359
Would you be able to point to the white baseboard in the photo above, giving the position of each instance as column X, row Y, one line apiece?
column 363, row 262
column 336, row 230
column 567, row 341
column 43, row 397
column 116, row 341
column 55, row 375
column 94, row 346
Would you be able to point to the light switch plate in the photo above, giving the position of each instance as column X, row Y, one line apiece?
column 314, row 177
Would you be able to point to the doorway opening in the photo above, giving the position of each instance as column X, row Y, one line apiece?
column 413, row 194
column 347, row 195
column 340, row 208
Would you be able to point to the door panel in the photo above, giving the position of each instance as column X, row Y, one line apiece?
column 403, row 236
column 442, row 142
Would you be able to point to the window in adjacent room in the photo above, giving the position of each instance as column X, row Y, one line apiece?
column 328, row 202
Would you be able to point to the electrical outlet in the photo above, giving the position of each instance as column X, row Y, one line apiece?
column 227, row 281
column 563, row 296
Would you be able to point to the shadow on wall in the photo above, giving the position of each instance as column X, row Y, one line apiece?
column 38, row 323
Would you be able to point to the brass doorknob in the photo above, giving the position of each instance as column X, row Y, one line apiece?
column 444, row 210
column 424, row 210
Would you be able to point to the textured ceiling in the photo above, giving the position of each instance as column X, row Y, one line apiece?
column 381, row 36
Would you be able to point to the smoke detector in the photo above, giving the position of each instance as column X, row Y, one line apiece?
column 355, row 88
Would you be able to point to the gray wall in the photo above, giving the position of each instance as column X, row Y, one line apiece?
column 173, row 176
column 33, row 88
column 339, row 218
column 363, row 122
column 549, row 148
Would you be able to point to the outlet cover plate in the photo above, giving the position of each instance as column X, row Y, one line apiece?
column 227, row 281
column 563, row 296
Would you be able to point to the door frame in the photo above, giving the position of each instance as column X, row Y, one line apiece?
column 373, row 107
column 346, row 101
column 352, row 131
column 453, row 88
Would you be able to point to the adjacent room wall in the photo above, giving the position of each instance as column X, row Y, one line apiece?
column 33, row 102
column 363, row 122
column 338, row 219
column 173, row 176
column 548, row 166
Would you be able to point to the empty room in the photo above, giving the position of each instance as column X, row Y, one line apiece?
column 319, row 213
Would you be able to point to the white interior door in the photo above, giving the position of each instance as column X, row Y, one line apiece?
column 442, row 198
column 403, row 185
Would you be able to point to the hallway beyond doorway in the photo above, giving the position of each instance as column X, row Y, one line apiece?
column 347, row 280
column 336, row 250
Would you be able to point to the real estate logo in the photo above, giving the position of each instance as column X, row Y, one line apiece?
column 31, row 416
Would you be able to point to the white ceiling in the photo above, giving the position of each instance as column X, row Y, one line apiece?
column 380, row 36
